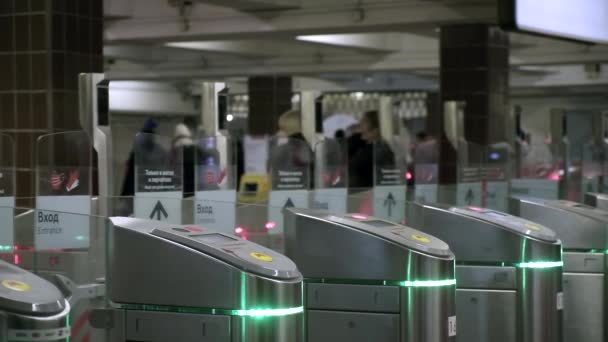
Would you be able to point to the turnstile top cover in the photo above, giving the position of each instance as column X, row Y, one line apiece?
column 574, row 207
column 394, row 232
column 242, row 254
column 512, row 223
column 25, row 293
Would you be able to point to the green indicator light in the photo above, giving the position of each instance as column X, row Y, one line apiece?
column 540, row 264
column 269, row 312
column 428, row 283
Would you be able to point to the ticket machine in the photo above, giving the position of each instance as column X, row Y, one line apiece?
column 597, row 200
column 371, row 280
column 509, row 272
column 584, row 234
column 186, row 283
column 31, row 308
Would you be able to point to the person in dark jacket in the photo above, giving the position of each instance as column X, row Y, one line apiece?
column 375, row 152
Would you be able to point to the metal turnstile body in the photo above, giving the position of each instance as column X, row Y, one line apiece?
column 186, row 283
column 508, row 270
column 584, row 234
column 597, row 200
column 31, row 308
column 371, row 280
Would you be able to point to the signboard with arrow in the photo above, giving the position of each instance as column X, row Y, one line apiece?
column 389, row 202
column 280, row 200
column 159, row 206
column 468, row 194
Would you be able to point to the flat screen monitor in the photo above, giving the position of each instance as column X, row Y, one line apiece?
column 581, row 20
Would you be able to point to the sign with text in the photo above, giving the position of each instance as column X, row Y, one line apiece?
column 539, row 188
column 216, row 210
column 158, row 178
column 7, row 217
column 62, row 222
column 64, row 184
column 331, row 199
column 290, row 164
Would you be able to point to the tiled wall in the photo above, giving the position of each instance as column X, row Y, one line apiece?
column 269, row 97
column 44, row 45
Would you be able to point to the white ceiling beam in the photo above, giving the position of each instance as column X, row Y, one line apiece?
column 314, row 18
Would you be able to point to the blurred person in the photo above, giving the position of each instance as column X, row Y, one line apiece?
column 426, row 150
column 375, row 152
column 183, row 144
column 291, row 150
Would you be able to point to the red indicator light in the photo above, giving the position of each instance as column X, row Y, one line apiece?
column 475, row 209
column 408, row 175
column 239, row 230
column 16, row 259
column 194, row 229
column 359, row 217
column 270, row 225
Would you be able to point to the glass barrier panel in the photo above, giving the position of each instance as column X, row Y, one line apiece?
column 215, row 183
column 291, row 169
column 331, row 175
column 496, row 172
column 7, row 190
column 541, row 170
column 63, row 184
column 389, row 178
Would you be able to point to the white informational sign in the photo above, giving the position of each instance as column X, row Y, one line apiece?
column 62, row 222
column 468, row 193
column 452, row 326
column 280, row 200
column 496, row 193
column 7, row 222
column 389, row 202
column 159, row 206
column 426, row 193
column 331, row 199
column 539, row 188
column 216, row 209
column 256, row 154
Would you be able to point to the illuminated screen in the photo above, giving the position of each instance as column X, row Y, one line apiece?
column 379, row 223
column 584, row 20
column 212, row 238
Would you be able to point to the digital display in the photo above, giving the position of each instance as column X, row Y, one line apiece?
column 495, row 214
column 570, row 19
column 379, row 223
column 251, row 187
column 212, row 238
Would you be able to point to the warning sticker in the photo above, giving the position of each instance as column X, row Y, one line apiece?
column 16, row 285
column 560, row 301
column 261, row 256
column 532, row 226
column 451, row 326
column 420, row 238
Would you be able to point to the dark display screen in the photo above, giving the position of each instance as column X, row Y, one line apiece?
column 379, row 223
column 212, row 238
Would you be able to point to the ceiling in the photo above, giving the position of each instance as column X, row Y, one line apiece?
column 344, row 41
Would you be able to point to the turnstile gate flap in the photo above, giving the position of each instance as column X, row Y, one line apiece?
column 480, row 235
column 578, row 226
column 358, row 247
column 25, row 293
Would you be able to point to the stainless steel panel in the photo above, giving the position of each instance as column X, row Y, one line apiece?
column 486, row 315
column 163, row 327
column 584, row 262
column 539, row 315
column 486, row 277
column 352, row 297
column 583, row 307
column 334, row 326
column 425, row 313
